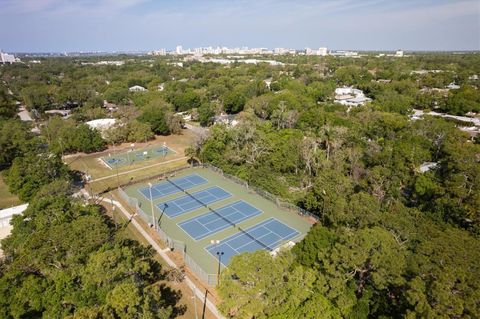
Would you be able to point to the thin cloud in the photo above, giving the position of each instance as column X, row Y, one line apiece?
column 117, row 24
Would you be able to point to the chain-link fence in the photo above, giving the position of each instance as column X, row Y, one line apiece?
column 180, row 246
column 135, row 204
column 278, row 201
column 173, row 244
column 210, row 279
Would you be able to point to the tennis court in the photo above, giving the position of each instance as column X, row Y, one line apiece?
column 227, row 216
column 167, row 188
column 203, row 206
column 132, row 156
column 268, row 234
column 190, row 202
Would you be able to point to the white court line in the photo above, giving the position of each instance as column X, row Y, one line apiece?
column 294, row 230
column 255, row 238
column 232, row 248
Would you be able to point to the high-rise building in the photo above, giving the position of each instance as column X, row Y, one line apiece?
column 158, row 52
column 322, row 51
column 179, row 49
column 281, row 51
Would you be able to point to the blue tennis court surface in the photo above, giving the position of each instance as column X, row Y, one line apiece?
column 115, row 161
column 132, row 156
column 266, row 235
column 185, row 204
column 167, row 188
column 207, row 224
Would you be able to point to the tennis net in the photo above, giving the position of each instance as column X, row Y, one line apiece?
column 220, row 215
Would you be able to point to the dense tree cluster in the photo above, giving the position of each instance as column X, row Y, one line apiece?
column 7, row 105
column 66, row 136
column 64, row 259
column 393, row 240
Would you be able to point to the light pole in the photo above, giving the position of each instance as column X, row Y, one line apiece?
column 219, row 254
column 194, row 302
column 118, row 179
column 113, row 210
column 116, row 164
column 132, row 146
column 151, row 205
column 216, row 242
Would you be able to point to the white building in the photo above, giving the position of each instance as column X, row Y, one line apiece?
column 354, row 101
column 281, row 51
column 427, row 166
column 179, row 49
column 320, row 51
column 101, row 124
column 137, row 88
column 115, row 63
column 342, row 53
column 350, row 96
column 7, row 58
column 158, row 52
column 399, row 53
column 348, row 91
column 226, row 119
column 7, row 214
column 453, row 86
column 5, row 217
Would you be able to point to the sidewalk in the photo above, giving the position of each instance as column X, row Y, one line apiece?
column 198, row 292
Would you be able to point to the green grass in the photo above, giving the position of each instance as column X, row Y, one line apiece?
column 111, row 181
column 7, row 199
column 94, row 166
column 105, row 177
column 196, row 249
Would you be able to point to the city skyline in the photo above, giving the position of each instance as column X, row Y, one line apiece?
column 144, row 25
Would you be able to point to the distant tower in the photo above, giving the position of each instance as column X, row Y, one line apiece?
column 179, row 49
column 323, row 51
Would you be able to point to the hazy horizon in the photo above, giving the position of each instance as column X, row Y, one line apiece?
column 143, row 25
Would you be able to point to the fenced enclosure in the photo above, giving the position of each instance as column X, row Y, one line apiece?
column 173, row 244
column 134, row 155
column 275, row 199
column 197, row 251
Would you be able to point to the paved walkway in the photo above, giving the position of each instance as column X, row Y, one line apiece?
column 474, row 120
column 162, row 252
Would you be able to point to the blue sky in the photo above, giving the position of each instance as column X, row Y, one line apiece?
column 108, row 25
